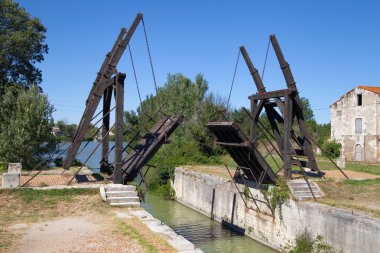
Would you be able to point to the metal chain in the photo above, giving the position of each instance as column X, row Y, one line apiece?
column 233, row 79
column 150, row 59
column 265, row 61
column 134, row 73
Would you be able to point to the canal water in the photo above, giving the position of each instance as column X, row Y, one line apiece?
column 206, row 234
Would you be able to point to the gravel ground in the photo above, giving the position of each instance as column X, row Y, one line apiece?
column 69, row 235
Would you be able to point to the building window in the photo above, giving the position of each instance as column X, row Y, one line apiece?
column 338, row 113
column 360, row 100
column 358, row 125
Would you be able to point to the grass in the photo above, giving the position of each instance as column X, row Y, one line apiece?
column 27, row 205
column 356, row 195
column 48, row 198
column 30, row 206
column 367, row 168
column 134, row 234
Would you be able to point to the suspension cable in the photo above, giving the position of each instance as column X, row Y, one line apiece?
column 88, row 158
column 265, row 61
column 150, row 59
column 96, row 115
column 233, row 79
column 134, row 73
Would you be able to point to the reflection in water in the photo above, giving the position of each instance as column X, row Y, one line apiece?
column 205, row 233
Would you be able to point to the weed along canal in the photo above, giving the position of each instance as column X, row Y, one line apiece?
column 206, row 234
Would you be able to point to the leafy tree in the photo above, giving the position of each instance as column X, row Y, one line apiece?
column 22, row 46
column 25, row 126
column 68, row 130
column 89, row 136
column 191, row 142
column 323, row 133
column 241, row 117
column 307, row 111
column 131, row 125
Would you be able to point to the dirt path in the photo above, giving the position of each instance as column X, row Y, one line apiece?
column 79, row 234
column 336, row 174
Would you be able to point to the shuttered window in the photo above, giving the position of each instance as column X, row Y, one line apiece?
column 358, row 125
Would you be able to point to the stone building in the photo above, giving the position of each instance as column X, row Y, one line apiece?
column 355, row 123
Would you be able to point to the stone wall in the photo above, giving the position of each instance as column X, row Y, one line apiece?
column 214, row 197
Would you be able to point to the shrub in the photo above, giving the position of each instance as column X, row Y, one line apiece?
column 59, row 162
column 166, row 191
column 332, row 149
column 279, row 194
column 307, row 243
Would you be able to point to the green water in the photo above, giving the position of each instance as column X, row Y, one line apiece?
column 206, row 234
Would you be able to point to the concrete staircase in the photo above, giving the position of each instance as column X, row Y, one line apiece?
column 301, row 191
column 120, row 195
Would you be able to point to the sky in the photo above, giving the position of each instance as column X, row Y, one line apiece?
column 331, row 46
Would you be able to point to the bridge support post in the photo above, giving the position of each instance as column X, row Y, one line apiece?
column 119, row 83
column 107, row 97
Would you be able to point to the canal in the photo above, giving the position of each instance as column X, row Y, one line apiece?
column 206, row 234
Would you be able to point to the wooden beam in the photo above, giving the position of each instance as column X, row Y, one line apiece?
column 270, row 94
column 229, row 144
column 117, row 174
column 107, row 97
column 101, row 83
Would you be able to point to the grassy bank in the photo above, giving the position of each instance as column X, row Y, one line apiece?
column 27, row 206
column 356, row 195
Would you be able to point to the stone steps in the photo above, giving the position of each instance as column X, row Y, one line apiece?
column 122, row 199
column 301, row 190
column 129, row 204
column 120, row 195
column 120, row 187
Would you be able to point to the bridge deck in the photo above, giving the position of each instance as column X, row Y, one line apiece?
column 148, row 146
column 231, row 137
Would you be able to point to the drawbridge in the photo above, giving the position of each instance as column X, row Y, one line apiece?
column 280, row 148
column 155, row 127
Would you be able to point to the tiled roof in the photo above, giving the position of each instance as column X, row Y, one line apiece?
column 374, row 89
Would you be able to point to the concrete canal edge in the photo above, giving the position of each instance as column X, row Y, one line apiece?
column 218, row 198
column 178, row 242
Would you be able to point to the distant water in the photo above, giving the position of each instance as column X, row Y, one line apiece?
column 94, row 161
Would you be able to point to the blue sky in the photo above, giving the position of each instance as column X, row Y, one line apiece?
column 332, row 46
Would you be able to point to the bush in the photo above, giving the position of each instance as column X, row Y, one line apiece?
column 279, row 194
column 25, row 126
column 59, row 162
column 306, row 243
column 332, row 149
column 166, row 191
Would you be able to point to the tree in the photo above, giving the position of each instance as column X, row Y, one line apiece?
column 25, row 126
column 323, row 133
column 68, row 130
column 91, row 132
column 22, row 46
column 191, row 142
column 308, row 113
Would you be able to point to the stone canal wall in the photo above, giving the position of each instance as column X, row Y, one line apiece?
column 218, row 198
